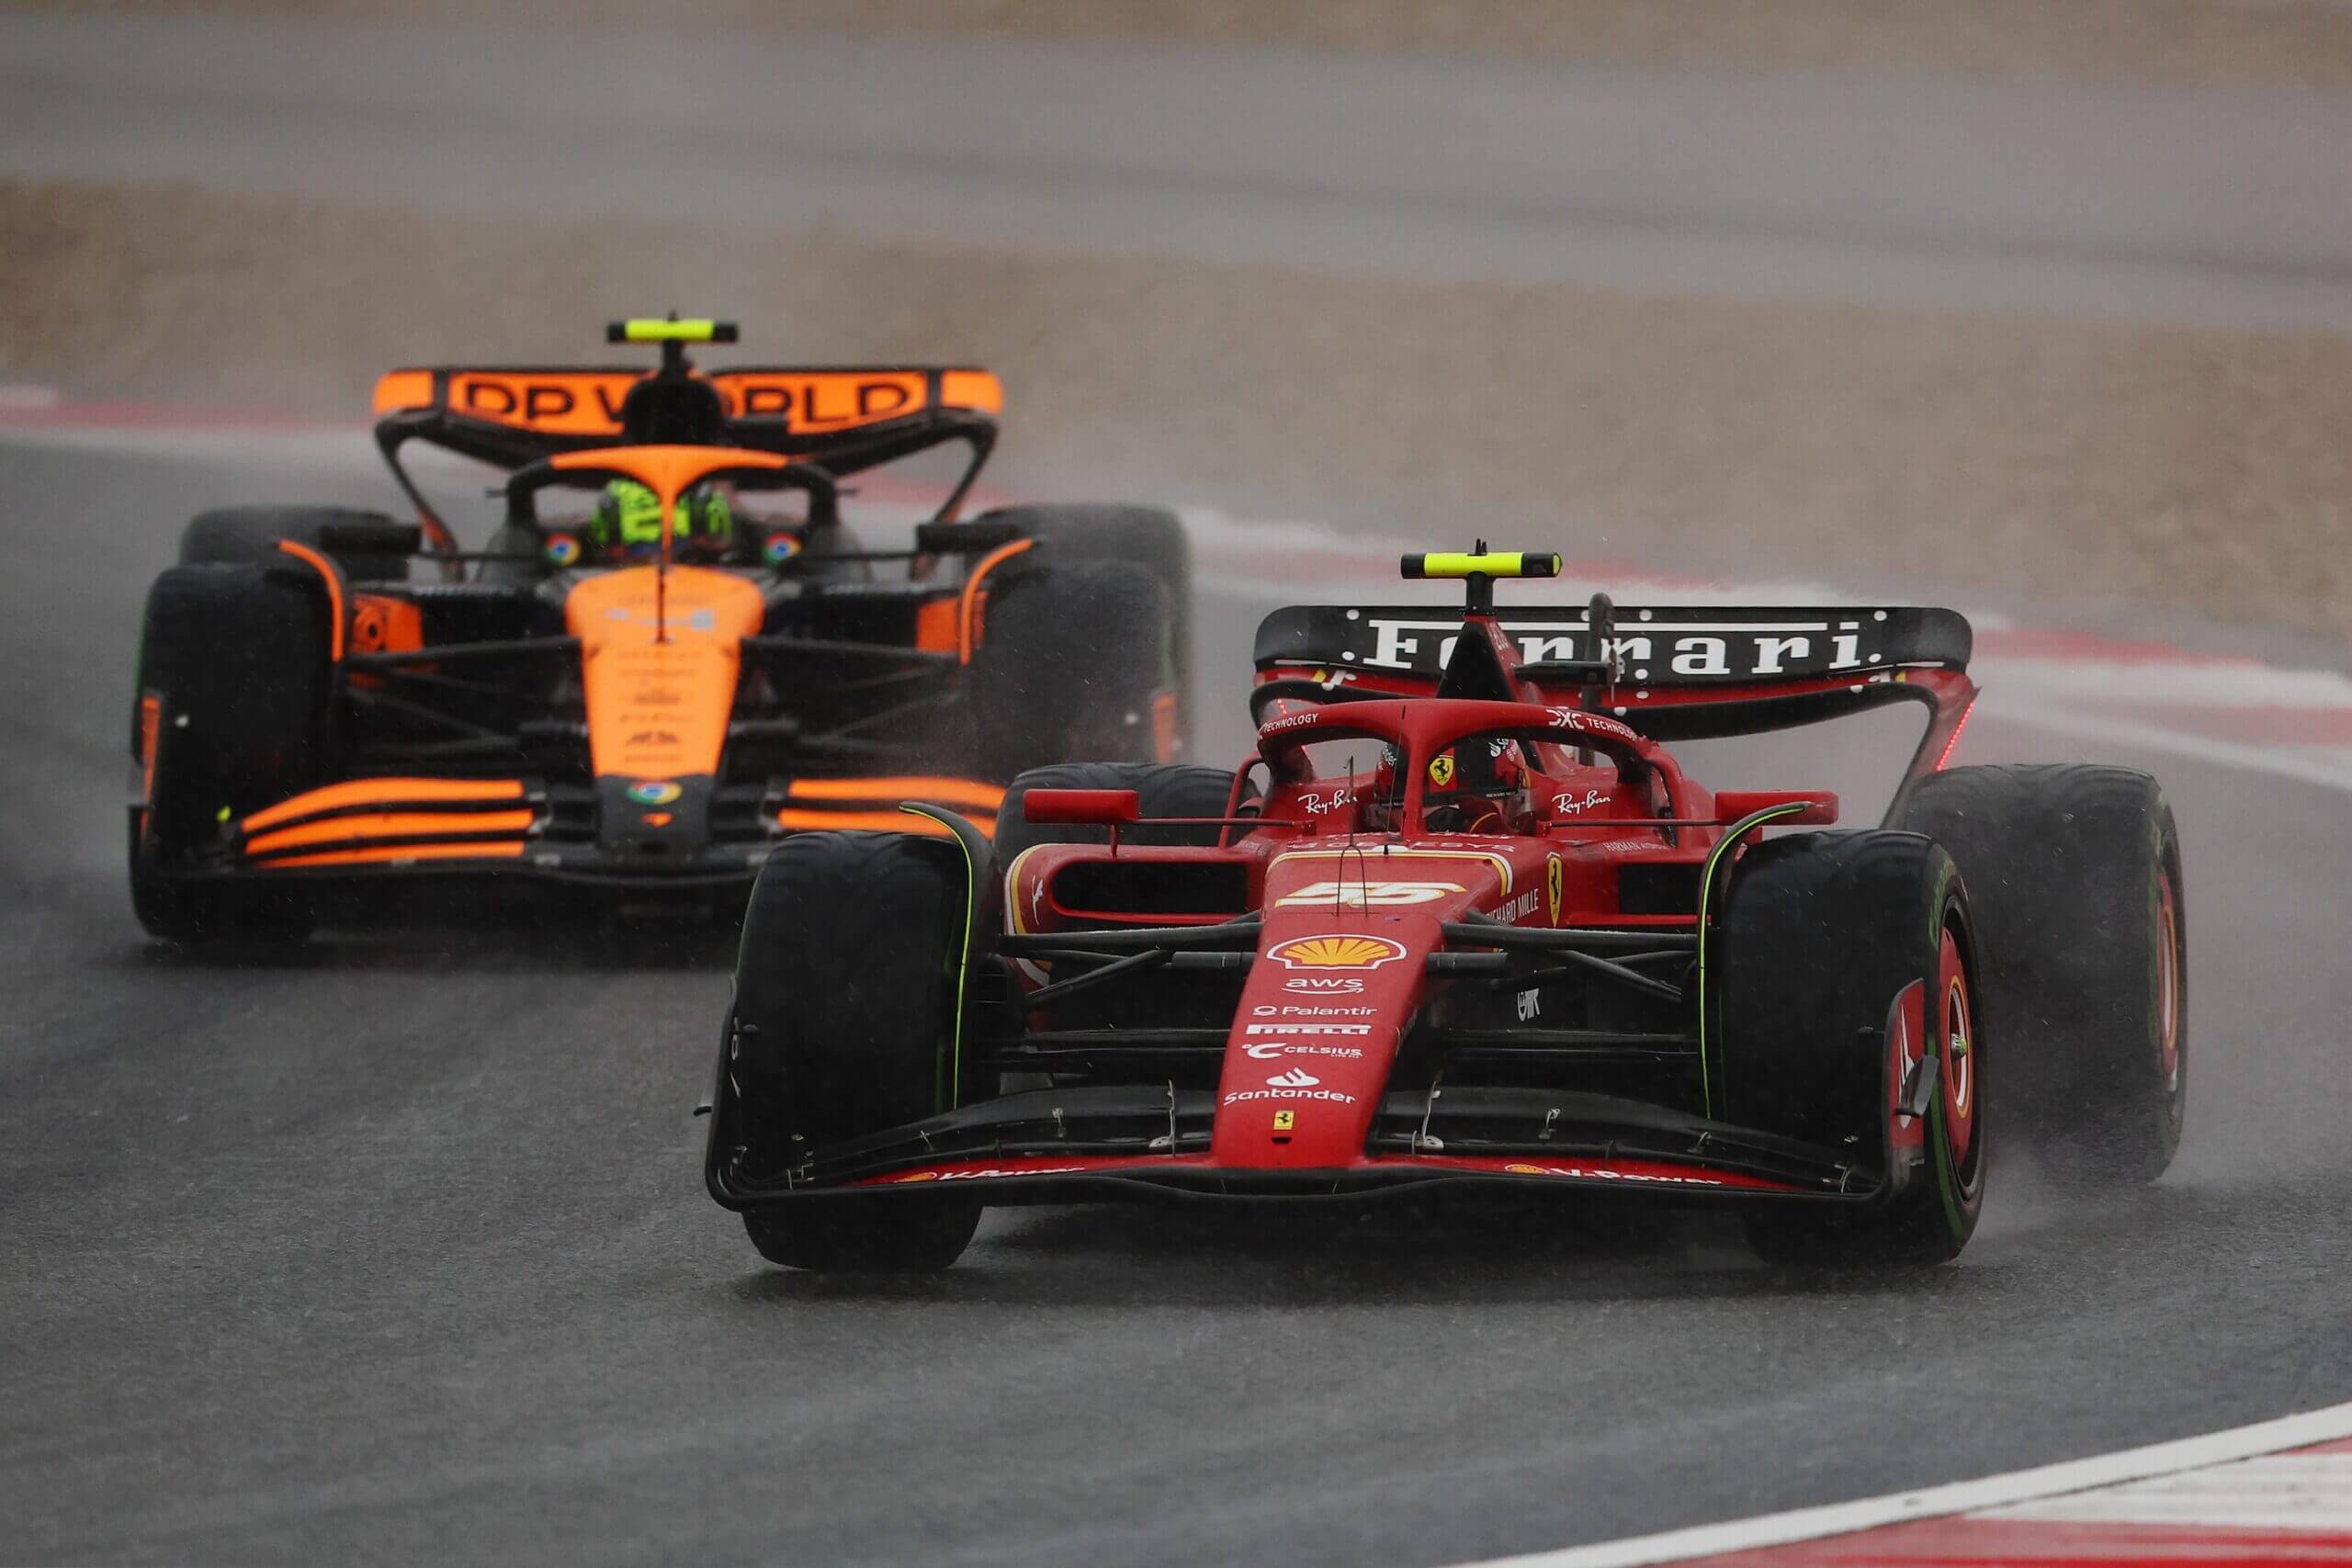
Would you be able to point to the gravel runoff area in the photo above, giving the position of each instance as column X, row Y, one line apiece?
column 2045, row 461
column 2279, row 42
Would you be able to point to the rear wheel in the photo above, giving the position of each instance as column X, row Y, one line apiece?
column 1151, row 537
column 233, row 714
column 2074, row 871
column 1074, row 662
column 369, row 546
column 1848, row 979
column 845, row 1021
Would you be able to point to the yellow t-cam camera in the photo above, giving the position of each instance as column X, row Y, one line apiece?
column 1480, row 563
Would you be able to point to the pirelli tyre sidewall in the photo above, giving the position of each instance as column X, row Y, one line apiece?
column 1821, row 934
column 236, row 663
column 367, row 545
column 844, row 1024
column 2076, row 873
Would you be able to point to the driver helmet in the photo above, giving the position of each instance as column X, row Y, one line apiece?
column 1483, row 777
column 626, row 523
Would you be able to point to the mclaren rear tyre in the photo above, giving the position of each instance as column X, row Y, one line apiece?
column 367, row 545
column 1839, row 954
column 1074, row 662
column 233, row 714
column 2075, row 869
column 847, row 992
column 1151, row 537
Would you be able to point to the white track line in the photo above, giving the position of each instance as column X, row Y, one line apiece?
column 1940, row 1502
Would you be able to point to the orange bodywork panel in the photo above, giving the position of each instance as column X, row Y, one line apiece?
column 972, row 389
column 936, row 626
column 383, row 792
column 390, row 854
column 380, row 624
column 658, row 709
column 356, row 830
column 399, row 390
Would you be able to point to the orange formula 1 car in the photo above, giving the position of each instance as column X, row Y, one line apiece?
column 671, row 654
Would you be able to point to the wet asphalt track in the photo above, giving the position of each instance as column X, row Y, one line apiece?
column 397, row 1250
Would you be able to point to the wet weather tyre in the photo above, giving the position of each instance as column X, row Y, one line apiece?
column 846, row 991
column 1151, row 537
column 235, row 662
column 1074, row 662
column 2074, row 871
column 1163, row 789
column 369, row 546
column 1823, row 938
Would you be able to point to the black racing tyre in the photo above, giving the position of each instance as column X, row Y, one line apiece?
column 236, row 662
column 369, row 546
column 1073, row 663
column 2074, row 871
column 1821, row 934
column 1163, row 789
column 846, row 1018
column 1151, row 537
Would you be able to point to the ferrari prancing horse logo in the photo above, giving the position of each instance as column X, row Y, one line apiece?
column 1552, row 880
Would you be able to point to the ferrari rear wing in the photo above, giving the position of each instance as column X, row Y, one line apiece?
column 1674, row 673
column 1718, row 647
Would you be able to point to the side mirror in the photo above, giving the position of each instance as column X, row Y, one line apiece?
column 1092, row 807
column 1821, row 805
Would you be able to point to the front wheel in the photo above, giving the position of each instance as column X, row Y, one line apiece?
column 234, row 712
column 848, row 993
column 1851, row 1019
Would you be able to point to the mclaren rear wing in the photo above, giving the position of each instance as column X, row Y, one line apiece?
column 842, row 418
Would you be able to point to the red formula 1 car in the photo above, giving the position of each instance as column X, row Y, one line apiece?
column 1464, row 921
column 672, row 654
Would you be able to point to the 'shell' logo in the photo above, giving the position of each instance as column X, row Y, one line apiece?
column 1339, row 951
